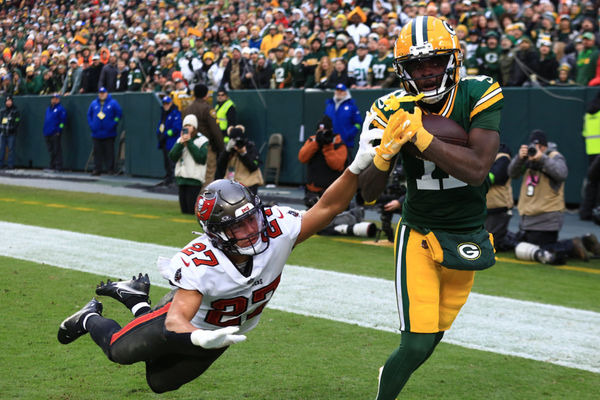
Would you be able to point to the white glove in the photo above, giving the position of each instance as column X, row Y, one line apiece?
column 229, row 145
column 362, row 160
column 216, row 339
column 366, row 150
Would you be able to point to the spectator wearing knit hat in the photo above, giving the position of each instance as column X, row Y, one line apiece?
column 189, row 154
column 548, row 64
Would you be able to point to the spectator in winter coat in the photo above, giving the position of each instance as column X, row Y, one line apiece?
column 72, row 82
column 325, row 156
column 54, row 123
column 91, row 76
column 103, row 117
column 260, row 76
column 108, row 75
column 345, row 115
column 168, row 131
column 189, row 155
column 10, row 118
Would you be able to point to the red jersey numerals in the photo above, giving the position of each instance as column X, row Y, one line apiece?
column 228, row 312
column 206, row 257
column 273, row 229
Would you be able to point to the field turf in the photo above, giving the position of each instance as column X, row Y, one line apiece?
column 287, row 356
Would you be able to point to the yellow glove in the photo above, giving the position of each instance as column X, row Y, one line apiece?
column 392, row 140
column 417, row 132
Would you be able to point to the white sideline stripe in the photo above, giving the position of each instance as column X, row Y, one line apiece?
column 554, row 334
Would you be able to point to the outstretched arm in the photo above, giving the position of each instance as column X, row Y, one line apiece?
column 335, row 200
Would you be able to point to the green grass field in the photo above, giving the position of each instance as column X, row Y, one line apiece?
column 288, row 356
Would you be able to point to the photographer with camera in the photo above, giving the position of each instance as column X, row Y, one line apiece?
column 325, row 157
column 240, row 161
column 189, row 154
column 542, row 203
column 390, row 201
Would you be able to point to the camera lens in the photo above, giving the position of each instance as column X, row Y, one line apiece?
column 531, row 150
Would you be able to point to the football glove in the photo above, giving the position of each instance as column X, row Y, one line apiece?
column 216, row 339
column 392, row 141
column 362, row 160
column 417, row 132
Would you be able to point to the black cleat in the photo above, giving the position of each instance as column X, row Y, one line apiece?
column 72, row 327
column 129, row 292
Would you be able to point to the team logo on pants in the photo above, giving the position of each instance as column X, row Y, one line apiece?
column 469, row 251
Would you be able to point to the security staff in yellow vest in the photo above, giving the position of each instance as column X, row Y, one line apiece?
column 226, row 113
column 500, row 202
column 189, row 155
column 591, row 135
column 542, row 203
column 240, row 161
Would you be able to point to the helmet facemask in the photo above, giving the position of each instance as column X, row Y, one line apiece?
column 443, row 79
column 244, row 235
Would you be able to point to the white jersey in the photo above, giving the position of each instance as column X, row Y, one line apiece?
column 230, row 298
column 359, row 69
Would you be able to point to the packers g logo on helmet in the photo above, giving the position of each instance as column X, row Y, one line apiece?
column 423, row 39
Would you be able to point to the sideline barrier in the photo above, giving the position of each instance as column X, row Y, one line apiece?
column 294, row 114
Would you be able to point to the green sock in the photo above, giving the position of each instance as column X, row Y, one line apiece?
column 414, row 349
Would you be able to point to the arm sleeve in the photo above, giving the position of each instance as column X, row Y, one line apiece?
column 555, row 167
column 231, row 116
column 308, row 150
column 516, row 167
column 336, row 154
column 198, row 154
column 175, row 153
column 500, row 170
column 76, row 83
column 251, row 158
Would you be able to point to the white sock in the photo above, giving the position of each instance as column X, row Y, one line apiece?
column 137, row 307
column 86, row 318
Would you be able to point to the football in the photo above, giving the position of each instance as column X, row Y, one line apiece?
column 442, row 128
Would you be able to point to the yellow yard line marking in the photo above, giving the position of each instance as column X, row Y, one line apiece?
column 146, row 216
column 6, row 199
column 83, row 209
column 110, row 212
column 31, row 202
column 512, row 260
column 54, row 205
column 581, row 269
column 185, row 221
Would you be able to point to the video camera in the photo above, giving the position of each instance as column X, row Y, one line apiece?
column 324, row 136
column 239, row 142
column 395, row 190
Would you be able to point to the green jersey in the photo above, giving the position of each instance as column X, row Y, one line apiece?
column 381, row 70
column 281, row 71
column 434, row 199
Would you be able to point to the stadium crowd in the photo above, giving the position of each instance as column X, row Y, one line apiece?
column 76, row 47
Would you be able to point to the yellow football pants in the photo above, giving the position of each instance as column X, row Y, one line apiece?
column 429, row 295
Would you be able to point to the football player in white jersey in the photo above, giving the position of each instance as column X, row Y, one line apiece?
column 223, row 280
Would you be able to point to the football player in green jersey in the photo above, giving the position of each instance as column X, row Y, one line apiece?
column 381, row 71
column 440, row 241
